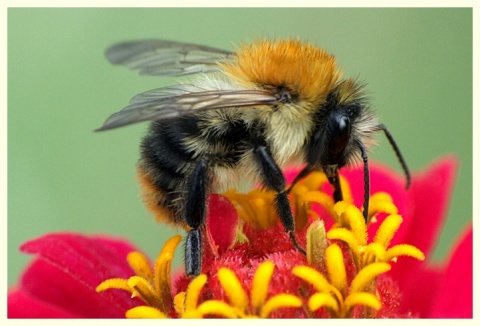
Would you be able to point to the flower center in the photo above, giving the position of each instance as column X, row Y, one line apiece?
column 343, row 274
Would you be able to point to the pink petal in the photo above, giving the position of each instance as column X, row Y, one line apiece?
column 22, row 305
column 68, row 269
column 456, row 295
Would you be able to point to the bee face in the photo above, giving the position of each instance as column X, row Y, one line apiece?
column 248, row 114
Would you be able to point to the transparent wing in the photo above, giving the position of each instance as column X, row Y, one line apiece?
column 170, row 102
column 166, row 58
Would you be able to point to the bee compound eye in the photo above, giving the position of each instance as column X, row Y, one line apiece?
column 340, row 133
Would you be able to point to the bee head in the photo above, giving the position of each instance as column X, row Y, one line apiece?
column 342, row 122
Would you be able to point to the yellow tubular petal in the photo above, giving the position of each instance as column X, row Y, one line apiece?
column 346, row 192
column 140, row 265
column 339, row 208
column 279, row 301
column 387, row 230
column 381, row 196
column 233, row 288
column 320, row 198
column 319, row 300
column 357, row 224
column 217, row 308
column 361, row 298
column 346, row 236
column 316, row 244
column 404, row 250
column 179, row 303
column 162, row 271
column 162, row 279
column 144, row 312
column 113, row 283
column 193, row 291
column 336, row 267
column 373, row 252
column 310, row 275
column 260, row 283
column 381, row 202
column 366, row 275
column 143, row 289
column 382, row 206
column 315, row 180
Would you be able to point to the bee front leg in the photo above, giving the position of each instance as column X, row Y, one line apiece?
column 275, row 180
column 332, row 175
column 195, row 211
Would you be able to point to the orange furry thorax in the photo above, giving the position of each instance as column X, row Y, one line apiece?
column 304, row 69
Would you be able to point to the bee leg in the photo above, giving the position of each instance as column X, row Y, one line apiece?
column 275, row 180
column 195, row 211
column 302, row 174
column 334, row 180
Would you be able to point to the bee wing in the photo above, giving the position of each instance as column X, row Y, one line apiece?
column 167, row 58
column 170, row 102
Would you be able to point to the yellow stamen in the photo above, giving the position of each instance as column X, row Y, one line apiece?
column 179, row 303
column 362, row 298
column 140, row 265
column 214, row 307
column 279, row 301
column 374, row 252
column 336, row 268
column 256, row 207
column 319, row 300
column 318, row 197
column 310, row 275
column 233, row 288
column 162, row 271
column 113, row 283
column 366, row 275
column 356, row 221
column 260, row 283
column 381, row 202
column 142, row 289
column 193, row 291
column 404, row 250
column 387, row 230
column 345, row 236
column 144, row 312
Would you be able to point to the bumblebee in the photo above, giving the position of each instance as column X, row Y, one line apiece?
column 246, row 115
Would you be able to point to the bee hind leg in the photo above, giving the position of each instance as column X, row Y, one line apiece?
column 195, row 211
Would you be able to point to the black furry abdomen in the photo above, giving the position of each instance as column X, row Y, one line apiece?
column 171, row 150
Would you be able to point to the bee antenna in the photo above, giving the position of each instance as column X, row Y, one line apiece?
column 366, row 181
column 397, row 152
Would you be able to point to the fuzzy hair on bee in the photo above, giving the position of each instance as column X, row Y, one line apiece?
column 246, row 114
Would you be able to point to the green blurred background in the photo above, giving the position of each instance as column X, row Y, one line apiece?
column 63, row 176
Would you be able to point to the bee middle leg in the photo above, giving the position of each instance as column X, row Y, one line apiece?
column 195, row 211
column 275, row 180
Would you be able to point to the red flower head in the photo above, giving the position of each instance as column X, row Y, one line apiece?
column 251, row 269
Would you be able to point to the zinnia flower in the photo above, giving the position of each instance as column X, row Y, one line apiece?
column 251, row 269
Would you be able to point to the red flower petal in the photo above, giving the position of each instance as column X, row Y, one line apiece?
column 430, row 195
column 22, row 305
column 222, row 221
column 429, row 198
column 67, row 271
column 456, row 292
